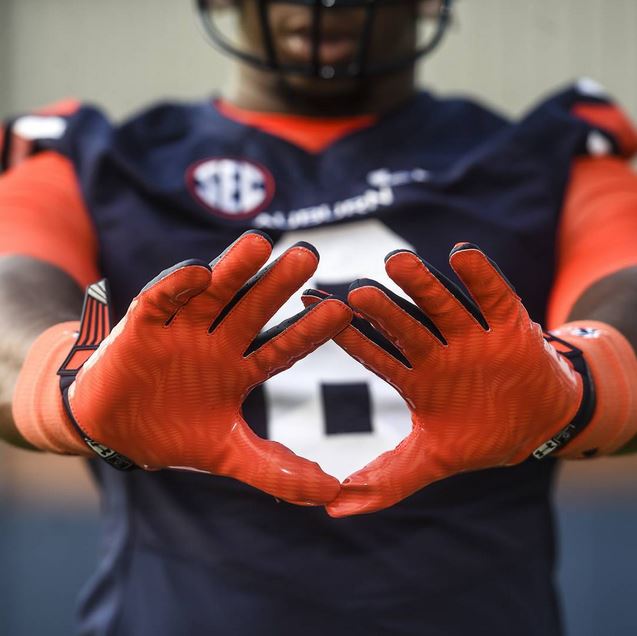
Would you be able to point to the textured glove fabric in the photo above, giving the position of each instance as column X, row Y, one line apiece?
column 165, row 388
column 483, row 385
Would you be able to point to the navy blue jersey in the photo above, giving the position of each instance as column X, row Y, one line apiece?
column 199, row 555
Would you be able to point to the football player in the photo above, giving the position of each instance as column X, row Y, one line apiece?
column 172, row 381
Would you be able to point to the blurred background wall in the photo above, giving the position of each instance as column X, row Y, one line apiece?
column 123, row 54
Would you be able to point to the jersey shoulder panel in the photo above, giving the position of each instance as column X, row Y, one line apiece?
column 468, row 113
column 543, row 143
column 447, row 129
column 585, row 112
column 150, row 150
column 88, row 130
column 24, row 135
column 595, row 106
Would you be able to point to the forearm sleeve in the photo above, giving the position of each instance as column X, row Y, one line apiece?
column 598, row 237
column 38, row 411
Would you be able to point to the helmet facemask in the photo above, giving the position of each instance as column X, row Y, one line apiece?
column 221, row 22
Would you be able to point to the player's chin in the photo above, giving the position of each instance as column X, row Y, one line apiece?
column 316, row 87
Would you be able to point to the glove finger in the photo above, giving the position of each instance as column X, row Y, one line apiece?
column 397, row 319
column 163, row 296
column 493, row 293
column 280, row 347
column 387, row 480
column 230, row 271
column 438, row 297
column 275, row 469
column 264, row 295
column 314, row 296
column 366, row 345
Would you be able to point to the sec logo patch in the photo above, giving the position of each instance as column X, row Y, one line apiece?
column 232, row 188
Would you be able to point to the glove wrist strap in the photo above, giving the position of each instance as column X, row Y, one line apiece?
column 612, row 368
column 584, row 414
column 95, row 325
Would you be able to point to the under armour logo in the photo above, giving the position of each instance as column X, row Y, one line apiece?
column 586, row 332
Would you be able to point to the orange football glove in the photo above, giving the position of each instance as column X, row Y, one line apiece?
column 484, row 385
column 165, row 388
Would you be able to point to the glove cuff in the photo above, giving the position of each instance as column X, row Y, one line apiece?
column 94, row 327
column 38, row 409
column 613, row 366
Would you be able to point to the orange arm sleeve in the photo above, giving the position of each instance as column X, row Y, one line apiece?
column 42, row 215
column 598, row 231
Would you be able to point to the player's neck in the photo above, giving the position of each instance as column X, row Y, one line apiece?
column 265, row 92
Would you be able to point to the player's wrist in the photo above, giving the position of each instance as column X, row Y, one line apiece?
column 612, row 364
column 573, row 401
column 38, row 410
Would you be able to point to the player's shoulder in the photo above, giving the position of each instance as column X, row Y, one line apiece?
column 575, row 121
column 165, row 123
column 27, row 133
column 585, row 113
column 60, row 127
column 82, row 130
column 457, row 109
column 455, row 123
